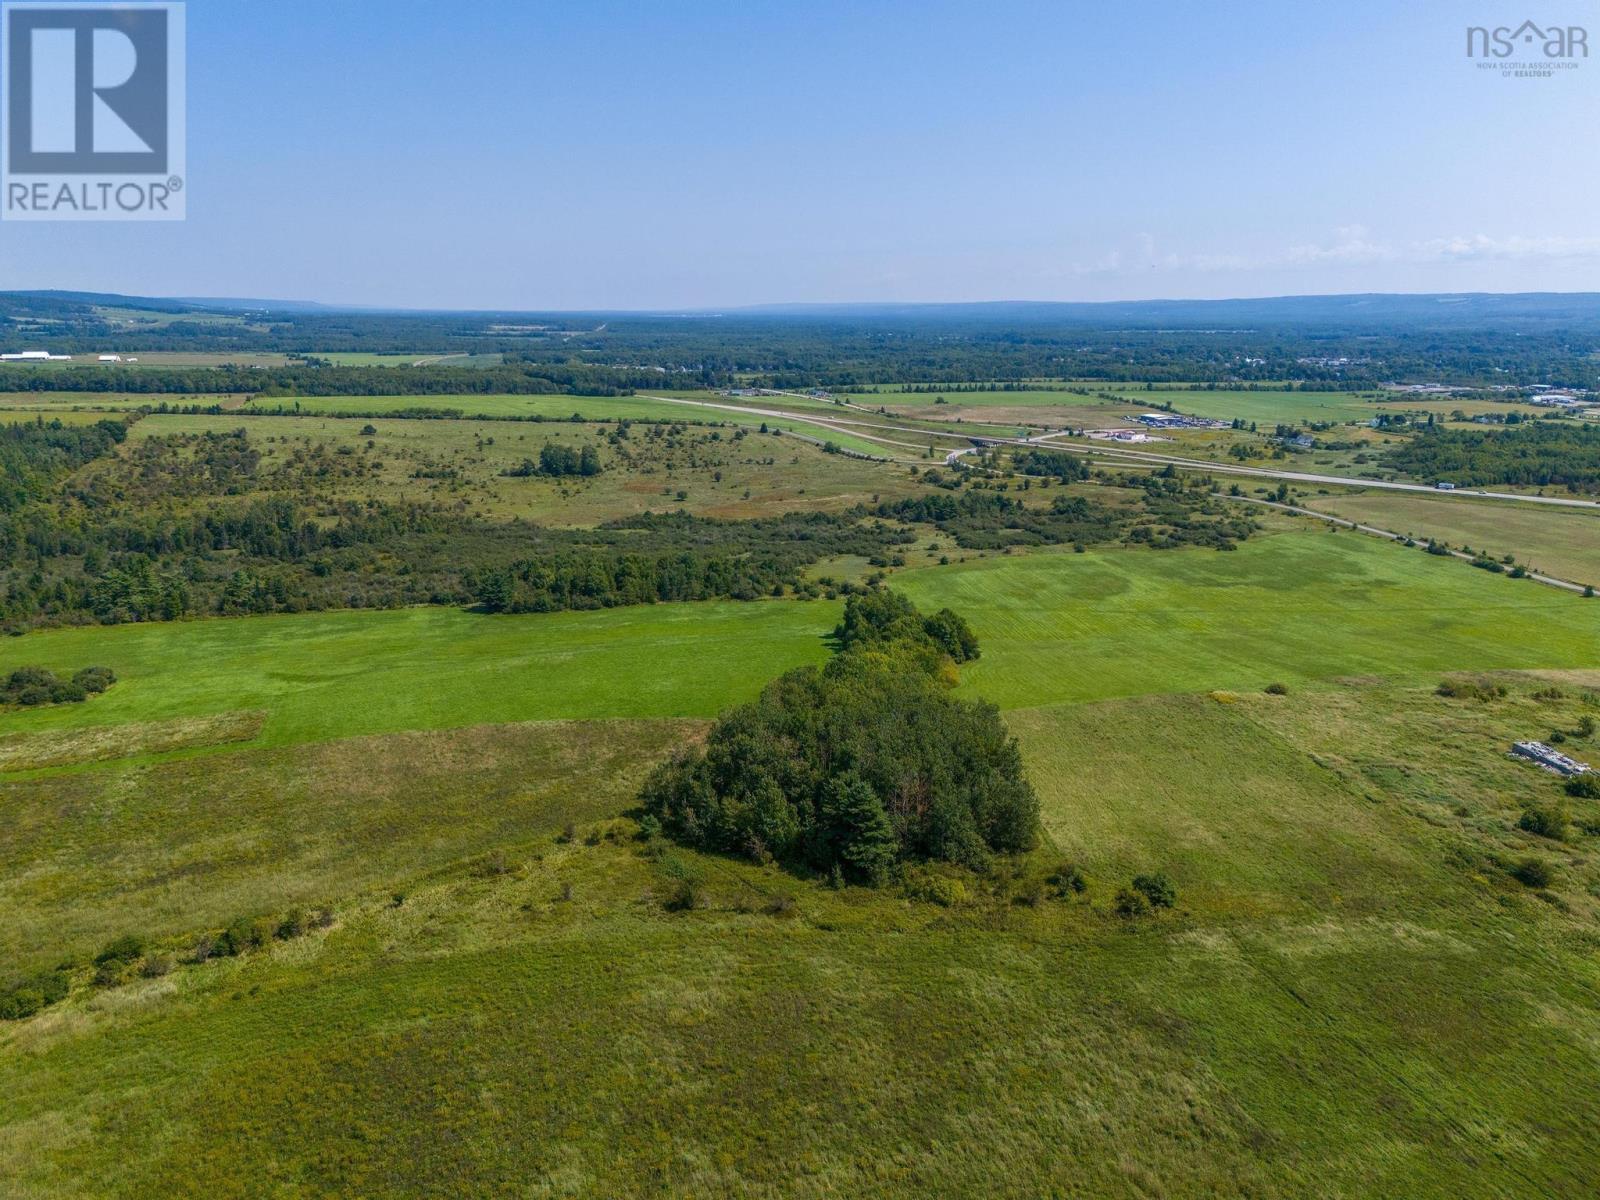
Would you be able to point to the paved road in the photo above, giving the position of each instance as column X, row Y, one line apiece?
column 1100, row 450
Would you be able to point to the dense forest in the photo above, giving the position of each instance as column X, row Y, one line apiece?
column 1531, row 454
column 547, row 379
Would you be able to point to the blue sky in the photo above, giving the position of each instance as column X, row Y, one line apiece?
column 715, row 153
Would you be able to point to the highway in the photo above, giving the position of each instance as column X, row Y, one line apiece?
column 1112, row 454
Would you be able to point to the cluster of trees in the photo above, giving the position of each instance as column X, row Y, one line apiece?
column 884, row 617
column 673, row 556
column 992, row 520
column 1533, row 454
column 557, row 460
column 856, row 768
column 1052, row 464
column 35, row 455
column 1181, row 513
column 31, row 686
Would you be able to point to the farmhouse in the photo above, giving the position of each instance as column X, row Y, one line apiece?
column 1548, row 758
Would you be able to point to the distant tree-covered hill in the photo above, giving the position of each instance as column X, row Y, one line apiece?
column 1330, row 341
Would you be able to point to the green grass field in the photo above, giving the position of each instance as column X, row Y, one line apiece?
column 1560, row 542
column 1056, row 628
column 322, row 676
column 1351, row 998
column 1298, row 1027
column 1296, row 608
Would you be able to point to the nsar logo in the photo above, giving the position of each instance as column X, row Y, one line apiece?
column 1528, row 51
column 93, row 112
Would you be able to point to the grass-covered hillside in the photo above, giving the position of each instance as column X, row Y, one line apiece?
column 434, row 826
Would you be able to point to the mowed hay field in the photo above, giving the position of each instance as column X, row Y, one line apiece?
column 1351, row 998
column 1269, row 405
column 321, row 676
column 1265, row 407
column 1554, row 541
column 1287, row 607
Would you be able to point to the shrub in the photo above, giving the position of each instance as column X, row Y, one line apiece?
column 781, row 905
column 120, row 950
column 935, row 889
column 292, row 925
column 31, row 686
column 94, row 680
column 682, row 896
column 156, row 966
column 1463, row 689
column 1130, row 903
column 1277, row 689
column 242, row 934
column 1584, row 787
column 24, row 997
column 20, row 1001
column 108, row 974
column 1068, row 880
column 1157, row 889
column 1546, row 820
column 1030, row 895
column 1533, row 872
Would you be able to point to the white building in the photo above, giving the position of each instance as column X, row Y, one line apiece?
column 35, row 356
column 110, row 358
